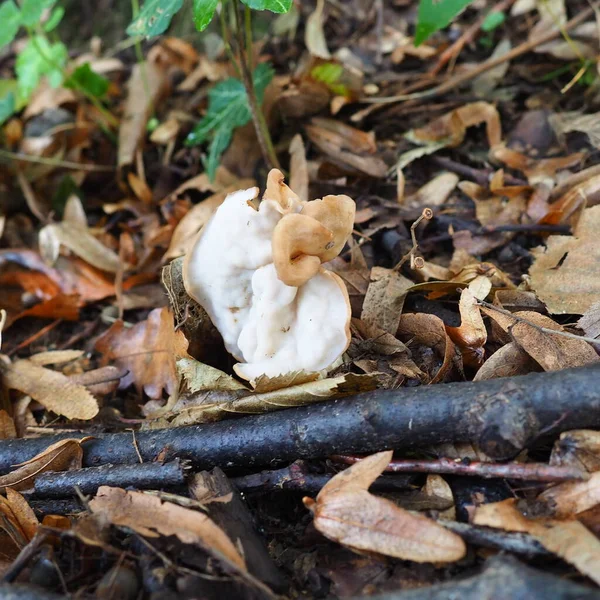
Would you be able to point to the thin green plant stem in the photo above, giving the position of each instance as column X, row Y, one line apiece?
column 226, row 37
column 135, row 9
column 258, row 118
column 112, row 120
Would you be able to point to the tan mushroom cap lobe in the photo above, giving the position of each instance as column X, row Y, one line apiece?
column 298, row 243
column 337, row 214
column 277, row 190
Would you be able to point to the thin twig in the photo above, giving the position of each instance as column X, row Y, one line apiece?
column 565, row 334
column 487, row 470
column 258, row 117
column 53, row 162
column 487, row 65
column 24, row 556
column 416, row 262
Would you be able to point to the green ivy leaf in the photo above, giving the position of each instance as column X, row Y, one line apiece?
column 10, row 17
column 55, row 18
column 154, row 18
column 227, row 109
column 31, row 11
column 84, row 79
column 204, row 11
column 434, row 15
column 276, row 6
column 493, row 20
column 8, row 99
column 37, row 59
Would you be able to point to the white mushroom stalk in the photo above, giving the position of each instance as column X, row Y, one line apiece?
column 258, row 273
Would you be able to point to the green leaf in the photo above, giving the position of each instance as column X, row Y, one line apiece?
column 55, row 18
column 434, row 15
column 10, row 18
column 204, row 11
column 8, row 103
column 31, row 11
column 276, row 6
column 154, row 18
column 493, row 20
column 227, row 109
column 85, row 80
column 37, row 59
column 330, row 74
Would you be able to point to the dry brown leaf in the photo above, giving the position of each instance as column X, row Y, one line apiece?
column 150, row 517
column 64, row 455
column 55, row 357
column 579, row 448
column 507, row 361
column 314, row 36
column 149, row 82
column 471, row 335
column 590, row 321
column 148, row 350
column 299, row 179
column 566, row 274
column 433, row 194
column 576, row 121
column 551, row 352
column 384, row 299
column 429, row 331
column 17, row 518
column 452, row 127
column 572, row 497
column 7, row 426
column 346, row 513
column 52, row 389
column 570, row 540
column 100, row 382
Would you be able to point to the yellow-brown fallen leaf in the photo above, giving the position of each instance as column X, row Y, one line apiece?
column 151, row 517
column 570, row 540
column 566, row 273
column 565, row 210
column 452, row 127
column 471, row 335
column 7, row 426
column 579, row 448
column 148, row 350
column 551, row 352
column 507, row 361
column 590, row 321
column 52, row 389
column 429, row 330
column 64, row 455
column 384, row 299
column 17, row 518
column 571, row 498
column 299, row 179
column 346, row 513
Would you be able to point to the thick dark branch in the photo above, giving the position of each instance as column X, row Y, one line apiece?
column 502, row 416
column 146, row 476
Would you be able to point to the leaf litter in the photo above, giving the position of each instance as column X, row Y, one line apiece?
column 102, row 193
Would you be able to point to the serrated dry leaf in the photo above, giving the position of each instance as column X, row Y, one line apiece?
column 52, row 389
column 570, row 540
column 7, row 426
column 452, row 127
column 566, row 274
column 150, row 517
column 572, row 497
column 508, row 361
column 471, row 335
column 64, row 455
column 384, row 299
column 299, row 179
column 429, row 330
column 148, row 350
column 551, row 352
column 346, row 513
column 199, row 377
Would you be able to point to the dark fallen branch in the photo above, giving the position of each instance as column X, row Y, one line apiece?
column 487, row 470
column 53, row 506
column 502, row 416
column 502, row 577
column 151, row 475
column 296, row 478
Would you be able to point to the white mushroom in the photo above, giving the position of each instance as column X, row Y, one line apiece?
column 257, row 272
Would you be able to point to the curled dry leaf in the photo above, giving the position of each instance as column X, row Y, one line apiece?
column 551, row 352
column 570, row 540
column 314, row 36
column 299, row 179
column 148, row 350
column 64, row 455
column 429, row 331
column 150, row 517
column 17, row 518
column 52, row 389
column 384, row 299
column 566, row 273
column 346, row 513
column 508, row 361
column 471, row 335
column 452, row 127
column 571, row 498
